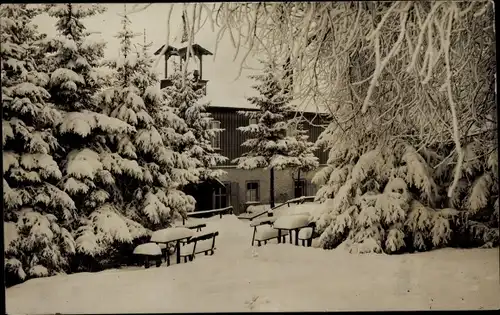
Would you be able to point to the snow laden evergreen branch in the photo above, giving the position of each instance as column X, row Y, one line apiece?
column 69, row 17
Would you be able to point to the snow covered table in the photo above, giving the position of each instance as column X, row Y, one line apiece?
column 263, row 220
column 170, row 235
column 289, row 223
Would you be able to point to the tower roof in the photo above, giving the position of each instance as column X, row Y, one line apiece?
column 182, row 47
column 170, row 50
column 197, row 50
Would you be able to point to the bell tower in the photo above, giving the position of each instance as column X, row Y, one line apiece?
column 182, row 51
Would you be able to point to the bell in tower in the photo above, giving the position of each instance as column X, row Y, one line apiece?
column 185, row 53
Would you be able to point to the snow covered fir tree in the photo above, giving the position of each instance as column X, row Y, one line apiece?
column 184, row 96
column 152, row 196
column 276, row 140
column 36, row 211
column 90, row 167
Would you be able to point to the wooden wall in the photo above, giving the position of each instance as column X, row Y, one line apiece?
column 231, row 138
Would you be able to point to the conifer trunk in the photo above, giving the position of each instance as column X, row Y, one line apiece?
column 271, row 192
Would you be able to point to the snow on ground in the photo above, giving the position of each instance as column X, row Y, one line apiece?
column 273, row 277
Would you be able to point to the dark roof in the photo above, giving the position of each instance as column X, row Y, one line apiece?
column 170, row 49
column 197, row 49
column 253, row 109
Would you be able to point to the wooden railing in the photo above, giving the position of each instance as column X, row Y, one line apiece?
column 209, row 213
column 299, row 200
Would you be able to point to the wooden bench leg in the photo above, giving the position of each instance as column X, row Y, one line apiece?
column 297, row 237
column 258, row 243
column 265, row 242
column 178, row 249
column 279, row 237
column 253, row 237
column 309, row 242
column 146, row 262
column 212, row 252
column 158, row 261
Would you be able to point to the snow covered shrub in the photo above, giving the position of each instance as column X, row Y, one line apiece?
column 39, row 247
column 386, row 202
column 100, row 236
column 477, row 221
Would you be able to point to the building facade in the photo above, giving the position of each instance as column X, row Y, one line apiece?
column 245, row 187
column 240, row 188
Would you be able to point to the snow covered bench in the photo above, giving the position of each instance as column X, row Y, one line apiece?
column 209, row 213
column 254, row 215
column 195, row 226
column 200, row 243
column 265, row 233
column 149, row 251
column 306, row 234
column 171, row 235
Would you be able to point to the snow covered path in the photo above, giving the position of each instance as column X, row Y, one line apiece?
column 274, row 277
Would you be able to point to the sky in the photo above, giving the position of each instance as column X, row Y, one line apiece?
column 224, row 88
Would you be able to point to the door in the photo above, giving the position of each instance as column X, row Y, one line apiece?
column 234, row 197
column 300, row 188
column 221, row 196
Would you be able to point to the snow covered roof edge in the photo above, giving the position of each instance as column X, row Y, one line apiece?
column 309, row 109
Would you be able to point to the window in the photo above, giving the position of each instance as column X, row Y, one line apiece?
column 220, row 196
column 252, row 193
column 216, row 138
column 252, row 121
column 300, row 188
